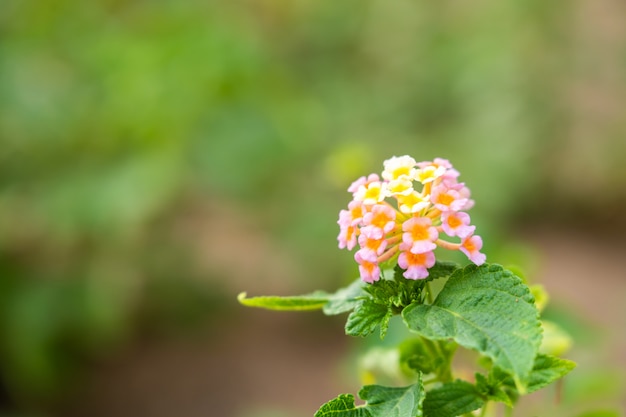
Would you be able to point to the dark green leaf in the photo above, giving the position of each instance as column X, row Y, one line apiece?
column 493, row 390
column 366, row 317
column 452, row 399
column 487, row 309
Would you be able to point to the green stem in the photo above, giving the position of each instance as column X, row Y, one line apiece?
column 483, row 411
column 429, row 294
column 444, row 374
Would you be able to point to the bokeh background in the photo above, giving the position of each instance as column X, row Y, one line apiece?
column 158, row 157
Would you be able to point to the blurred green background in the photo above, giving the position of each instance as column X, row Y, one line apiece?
column 157, row 157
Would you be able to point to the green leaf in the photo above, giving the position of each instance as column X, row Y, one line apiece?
column 494, row 390
column 427, row 356
column 366, row 317
column 452, row 399
column 393, row 402
column 342, row 406
column 546, row 370
column 487, row 309
column 416, row 355
column 313, row 301
column 380, row 402
column 345, row 299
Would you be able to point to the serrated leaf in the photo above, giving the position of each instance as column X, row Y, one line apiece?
column 452, row 399
column 493, row 390
column 380, row 402
column 345, row 299
column 393, row 402
column 487, row 309
column 366, row 317
column 342, row 406
column 313, row 301
column 546, row 370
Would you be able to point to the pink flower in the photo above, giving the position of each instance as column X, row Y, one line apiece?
column 369, row 271
column 450, row 173
column 379, row 221
column 446, row 198
column 419, row 234
column 371, row 249
column 471, row 246
column 356, row 212
column 456, row 224
column 347, row 231
column 415, row 264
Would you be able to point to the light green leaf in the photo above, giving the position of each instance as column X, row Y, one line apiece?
column 452, row 399
column 393, row 402
column 366, row 317
column 345, row 299
column 380, row 402
column 488, row 309
column 546, row 370
column 313, row 301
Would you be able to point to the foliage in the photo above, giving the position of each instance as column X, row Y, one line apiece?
column 486, row 308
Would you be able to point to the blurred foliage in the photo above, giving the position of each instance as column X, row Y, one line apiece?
column 118, row 118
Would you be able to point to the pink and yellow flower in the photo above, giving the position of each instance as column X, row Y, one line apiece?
column 416, row 264
column 369, row 271
column 379, row 221
column 471, row 246
column 403, row 217
column 419, row 235
column 456, row 223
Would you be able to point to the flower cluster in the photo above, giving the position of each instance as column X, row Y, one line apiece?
column 389, row 217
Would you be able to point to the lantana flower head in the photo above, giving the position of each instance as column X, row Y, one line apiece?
column 406, row 213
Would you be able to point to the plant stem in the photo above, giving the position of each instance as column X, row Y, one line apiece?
column 429, row 294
